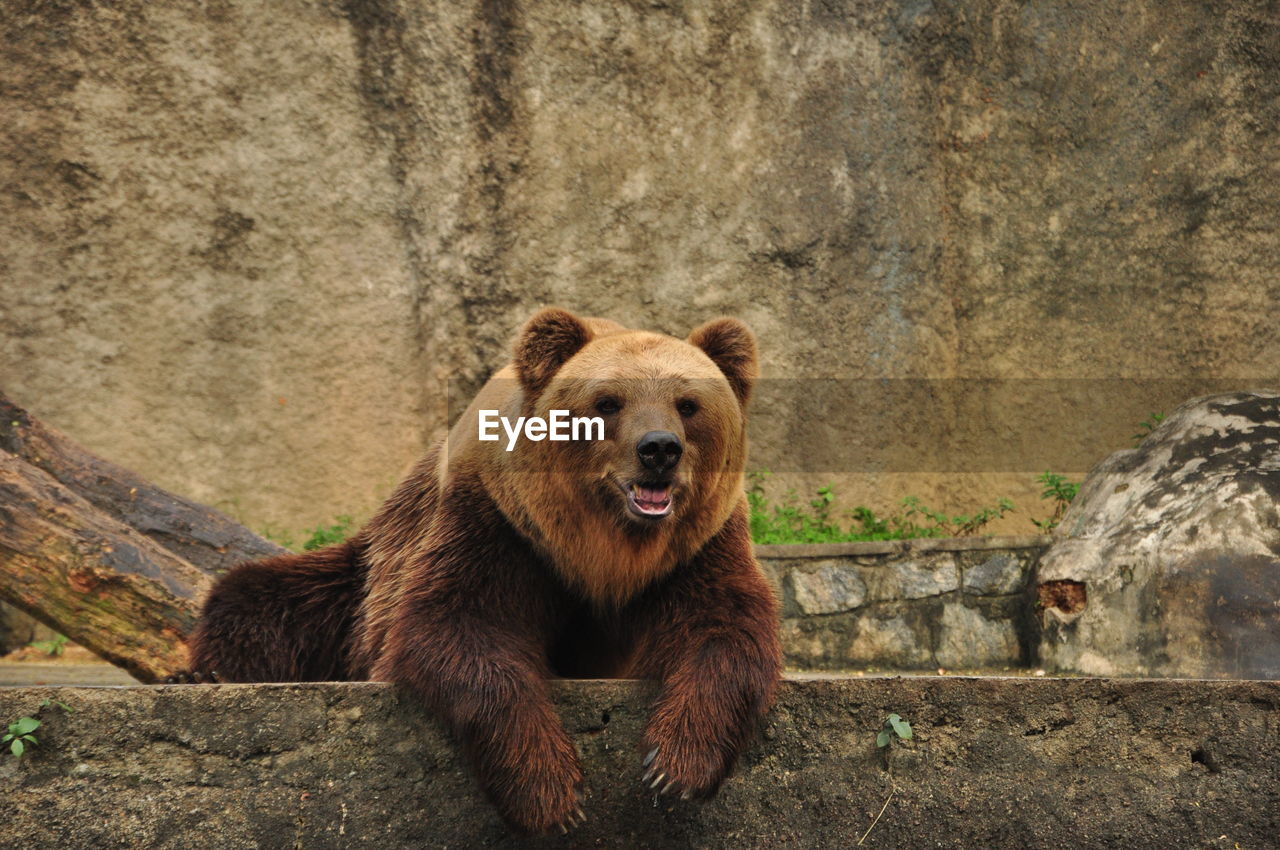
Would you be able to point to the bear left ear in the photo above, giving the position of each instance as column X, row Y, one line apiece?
column 732, row 346
column 545, row 343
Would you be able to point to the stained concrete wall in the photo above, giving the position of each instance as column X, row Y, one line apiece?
column 1068, row 763
column 244, row 249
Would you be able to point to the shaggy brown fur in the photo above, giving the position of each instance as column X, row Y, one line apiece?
column 488, row 571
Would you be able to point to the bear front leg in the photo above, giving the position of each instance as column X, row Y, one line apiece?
column 710, row 635
column 469, row 640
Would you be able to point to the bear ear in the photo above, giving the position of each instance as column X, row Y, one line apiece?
column 732, row 346
column 545, row 342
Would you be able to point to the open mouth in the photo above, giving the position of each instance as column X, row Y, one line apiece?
column 651, row 501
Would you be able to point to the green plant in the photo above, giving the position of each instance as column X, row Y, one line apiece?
column 893, row 725
column 313, row 538
column 1146, row 426
column 20, row 736
column 868, row 526
column 54, row 646
column 1058, row 490
column 960, row 525
column 791, row 522
column 327, row 535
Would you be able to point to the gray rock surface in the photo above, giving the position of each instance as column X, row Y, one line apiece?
column 1000, row 574
column 827, row 589
column 1177, row 546
column 245, row 248
column 968, row 640
column 933, row 575
column 1038, row 763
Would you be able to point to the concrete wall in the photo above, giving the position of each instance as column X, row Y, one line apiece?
column 1066, row 763
column 244, row 249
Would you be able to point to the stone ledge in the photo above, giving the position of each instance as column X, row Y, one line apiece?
column 902, row 547
column 1049, row 763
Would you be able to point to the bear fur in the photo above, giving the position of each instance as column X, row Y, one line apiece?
column 489, row 571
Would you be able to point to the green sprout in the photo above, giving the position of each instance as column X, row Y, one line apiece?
column 1146, row 426
column 893, row 725
column 1061, row 492
column 20, row 736
column 52, row 647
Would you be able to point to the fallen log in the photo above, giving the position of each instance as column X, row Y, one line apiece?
column 200, row 535
column 102, row 555
column 93, row 578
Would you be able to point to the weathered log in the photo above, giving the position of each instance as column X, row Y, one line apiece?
column 198, row 534
column 92, row 577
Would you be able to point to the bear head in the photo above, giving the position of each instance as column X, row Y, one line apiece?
column 615, row 513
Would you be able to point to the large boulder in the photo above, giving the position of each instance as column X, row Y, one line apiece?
column 1168, row 561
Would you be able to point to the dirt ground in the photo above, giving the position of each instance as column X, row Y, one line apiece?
column 74, row 666
column 994, row 762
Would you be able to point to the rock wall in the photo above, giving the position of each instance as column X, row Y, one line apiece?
column 250, row 252
column 1067, row 763
column 961, row 604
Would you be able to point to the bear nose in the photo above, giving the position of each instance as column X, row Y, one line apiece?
column 659, row 450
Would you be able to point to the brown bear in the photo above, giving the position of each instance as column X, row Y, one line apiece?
column 500, row 563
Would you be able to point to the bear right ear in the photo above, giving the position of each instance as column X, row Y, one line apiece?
column 545, row 343
column 732, row 346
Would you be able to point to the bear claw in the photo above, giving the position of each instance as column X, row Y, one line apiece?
column 573, row 821
column 192, row 677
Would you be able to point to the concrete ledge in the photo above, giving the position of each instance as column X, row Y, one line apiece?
column 1048, row 763
column 903, row 547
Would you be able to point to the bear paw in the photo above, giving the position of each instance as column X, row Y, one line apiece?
column 543, row 799
column 544, row 816
column 693, row 773
column 192, row 677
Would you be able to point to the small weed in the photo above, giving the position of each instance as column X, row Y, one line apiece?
column 960, row 525
column 314, row 538
column 1059, row 491
column 893, row 725
column 1146, row 426
column 19, row 735
column 789, row 522
column 327, row 535
column 53, row 647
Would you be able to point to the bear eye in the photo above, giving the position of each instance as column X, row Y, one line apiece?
column 687, row 407
column 608, row 406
